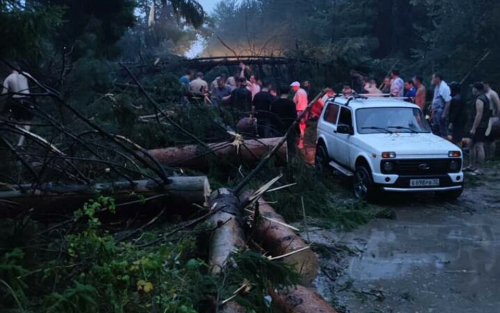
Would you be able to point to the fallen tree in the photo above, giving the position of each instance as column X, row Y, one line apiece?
column 300, row 300
column 247, row 152
column 227, row 237
column 181, row 191
column 273, row 234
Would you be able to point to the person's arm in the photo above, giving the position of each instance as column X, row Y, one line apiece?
column 479, row 115
column 446, row 94
column 5, row 86
column 243, row 67
column 496, row 101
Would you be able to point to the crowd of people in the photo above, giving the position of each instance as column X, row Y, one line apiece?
column 274, row 110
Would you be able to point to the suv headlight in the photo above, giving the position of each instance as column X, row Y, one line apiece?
column 455, row 165
column 388, row 166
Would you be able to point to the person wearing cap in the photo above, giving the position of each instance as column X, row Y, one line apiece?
column 440, row 105
column 300, row 100
column 482, row 114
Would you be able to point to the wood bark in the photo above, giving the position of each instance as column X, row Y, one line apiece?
column 300, row 300
column 228, row 235
column 180, row 192
column 194, row 157
column 280, row 240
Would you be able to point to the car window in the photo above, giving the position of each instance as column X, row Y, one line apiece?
column 394, row 119
column 331, row 113
column 345, row 117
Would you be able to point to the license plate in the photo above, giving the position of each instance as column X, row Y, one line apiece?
column 424, row 182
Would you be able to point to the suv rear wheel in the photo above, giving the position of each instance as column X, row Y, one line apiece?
column 321, row 159
column 363, row 184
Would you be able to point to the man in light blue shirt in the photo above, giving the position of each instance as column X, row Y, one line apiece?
column 440, row 104
column 397, row 84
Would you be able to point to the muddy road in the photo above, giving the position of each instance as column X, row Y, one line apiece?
column 433, row 257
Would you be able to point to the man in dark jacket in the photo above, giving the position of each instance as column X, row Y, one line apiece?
column 260, row 109
column 457, row 115
column 241, row 97
column 283, row 114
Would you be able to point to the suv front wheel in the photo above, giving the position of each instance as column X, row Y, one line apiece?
column 363, row 184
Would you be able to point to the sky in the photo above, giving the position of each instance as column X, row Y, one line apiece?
column 197, row 48
column 208, row 5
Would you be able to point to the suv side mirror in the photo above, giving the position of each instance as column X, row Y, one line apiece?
column 344, row 129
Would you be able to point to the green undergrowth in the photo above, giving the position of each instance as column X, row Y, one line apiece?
column 327, row 200
column 84, row 268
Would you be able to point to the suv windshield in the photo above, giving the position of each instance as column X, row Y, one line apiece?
column 389, row 120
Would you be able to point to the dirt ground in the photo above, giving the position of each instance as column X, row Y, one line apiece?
column 434, row 257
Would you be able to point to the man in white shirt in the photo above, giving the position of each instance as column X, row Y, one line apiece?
column 397, row 84
column 252, row 84
column 300, row 100
column 18, row 105
column 440, row 104
column 198, row 85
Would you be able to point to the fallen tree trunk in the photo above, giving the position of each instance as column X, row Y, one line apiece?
column 228, row 235
column 273, row 235
column 246, row 152
column 300, row 300
column 181, row 191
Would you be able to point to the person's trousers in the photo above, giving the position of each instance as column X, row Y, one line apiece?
column 439, row 124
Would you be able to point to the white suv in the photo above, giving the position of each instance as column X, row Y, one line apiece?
column 386, row 145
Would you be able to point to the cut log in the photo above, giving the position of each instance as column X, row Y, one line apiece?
column 228, row 235
column 300, row 300
column 248, row 152
column 180, row 192
column 273, row 235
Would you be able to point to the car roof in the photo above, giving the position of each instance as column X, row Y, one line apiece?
column 360, row 102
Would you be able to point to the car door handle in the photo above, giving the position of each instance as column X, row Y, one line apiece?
column 334, row 131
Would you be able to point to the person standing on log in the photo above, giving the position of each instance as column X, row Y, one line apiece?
column 300, row 100
column 260, row 109
column 283, row 114
column 19, row 106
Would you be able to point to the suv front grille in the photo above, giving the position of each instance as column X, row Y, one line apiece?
column 424, row 166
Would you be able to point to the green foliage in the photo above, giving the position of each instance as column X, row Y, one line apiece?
column 91, row 272
column 326, row 200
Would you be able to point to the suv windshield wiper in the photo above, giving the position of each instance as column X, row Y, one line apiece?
column 379, row 128
column 405, row 128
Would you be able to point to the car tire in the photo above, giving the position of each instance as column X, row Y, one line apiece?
column 321, row 159
column 363, row 186
column 450, row 195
